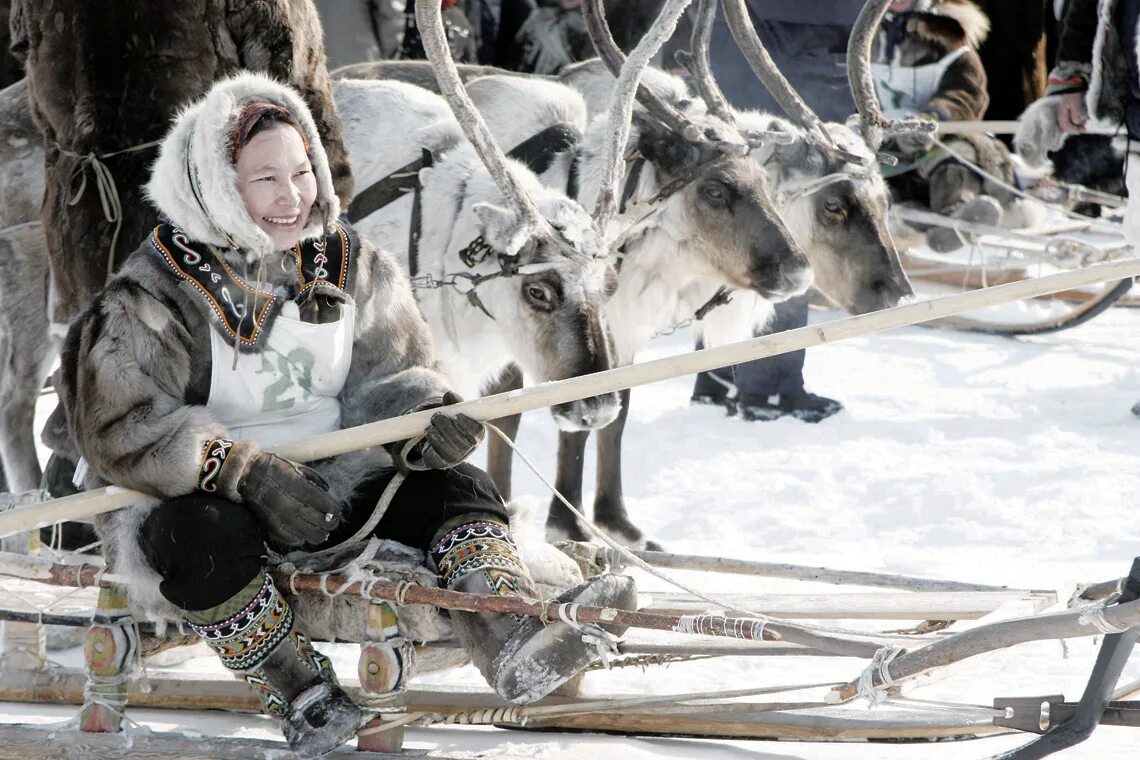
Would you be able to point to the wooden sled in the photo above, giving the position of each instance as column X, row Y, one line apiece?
column 995, row 256
column 816, row 712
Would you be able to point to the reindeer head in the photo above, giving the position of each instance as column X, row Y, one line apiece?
column 550, row 307
column 828, row 185
column 552, row 310
column 837, row 210
column 725, row 206
column 721, row 204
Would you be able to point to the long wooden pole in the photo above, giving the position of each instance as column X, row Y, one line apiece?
column 91, row 503
column 977, row 127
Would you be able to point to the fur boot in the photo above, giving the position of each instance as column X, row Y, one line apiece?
column 522, row 658
column 255, row 635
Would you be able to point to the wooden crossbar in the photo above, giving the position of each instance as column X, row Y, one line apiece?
column 95, row 502
column 882, row 605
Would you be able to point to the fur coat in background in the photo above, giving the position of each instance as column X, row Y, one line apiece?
column 106, row 77
column 935, row 30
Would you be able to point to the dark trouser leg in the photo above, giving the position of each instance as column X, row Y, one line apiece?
column 715, row 387
column 776, row 374
column 211, row 555
column 757, row 380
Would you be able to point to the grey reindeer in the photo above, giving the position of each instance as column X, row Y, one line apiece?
column 826, row 187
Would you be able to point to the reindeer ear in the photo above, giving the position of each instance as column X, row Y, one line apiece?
column 665, row 148
column 496, row 223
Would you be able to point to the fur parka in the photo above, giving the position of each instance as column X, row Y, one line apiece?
column 106, row 77
column 136, row 365
column 1090, row 60
column 934, row 30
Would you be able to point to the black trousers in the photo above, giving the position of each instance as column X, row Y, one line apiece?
column 771, row 376
column 207, row 548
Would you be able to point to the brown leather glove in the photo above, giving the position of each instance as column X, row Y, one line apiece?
column 448, row 440
column 291, row 501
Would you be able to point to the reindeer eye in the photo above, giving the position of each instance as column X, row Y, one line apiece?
column 833, row 207
column 539, row 296
column 715, row 193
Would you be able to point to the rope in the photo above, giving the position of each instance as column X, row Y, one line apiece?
column 617, row 547
column 1093, row 614
column 105, row 184
column 880, row 665
column 760, row 620
column 604, row 642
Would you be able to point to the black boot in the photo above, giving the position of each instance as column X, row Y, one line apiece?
column 798, row 403
column 522, row 658
column 709, row 389
column 255, row 635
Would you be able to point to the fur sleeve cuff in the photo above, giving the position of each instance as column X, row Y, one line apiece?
column 1069, row 76
column 224, row 464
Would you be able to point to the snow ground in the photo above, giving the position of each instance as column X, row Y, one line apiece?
column 966, row 457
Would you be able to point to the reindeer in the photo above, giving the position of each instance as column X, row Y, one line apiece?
column 827, row 189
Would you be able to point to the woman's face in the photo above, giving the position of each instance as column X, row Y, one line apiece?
column 277, row 183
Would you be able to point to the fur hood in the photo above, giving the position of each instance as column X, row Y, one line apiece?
column 194, row 184
column 950, row 23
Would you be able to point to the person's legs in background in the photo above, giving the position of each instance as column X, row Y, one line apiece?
column 767, row 389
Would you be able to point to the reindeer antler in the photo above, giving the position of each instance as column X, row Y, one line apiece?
column 429, row 19
column 765, row 69
column 874, row 126
column 696, row 60
column 614, row 59
column 627, row 88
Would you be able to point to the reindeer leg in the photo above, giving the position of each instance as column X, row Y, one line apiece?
column 500, row 456
column 561, row 524
column 26, row 353
column 609, row 503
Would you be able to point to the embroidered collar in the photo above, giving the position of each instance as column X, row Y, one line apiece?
column 243, row 311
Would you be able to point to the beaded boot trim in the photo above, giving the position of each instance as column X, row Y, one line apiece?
column 272, row 698
column 245, row 639
column 481, row 546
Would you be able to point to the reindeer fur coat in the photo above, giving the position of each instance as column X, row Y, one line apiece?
column 1090, row 59
column 933, row 31
column 136, row 366
column 106, row 77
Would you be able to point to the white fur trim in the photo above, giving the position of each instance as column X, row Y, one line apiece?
column 1104, row 17
column 197, row 143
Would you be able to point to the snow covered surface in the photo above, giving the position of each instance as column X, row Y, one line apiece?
column 965, row 457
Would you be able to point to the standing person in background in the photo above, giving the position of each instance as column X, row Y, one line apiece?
column 1096, row 78
column 925, row 64
column 808, row 42
column 1013, row 54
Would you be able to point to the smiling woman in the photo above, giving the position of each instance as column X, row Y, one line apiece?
column 254, row 318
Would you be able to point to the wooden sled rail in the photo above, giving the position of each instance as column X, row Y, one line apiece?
column 91, row 503
column 987, row 638
column 706, row 717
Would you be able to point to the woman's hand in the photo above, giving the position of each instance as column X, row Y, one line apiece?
column 448, row 440
column 1072, row 117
